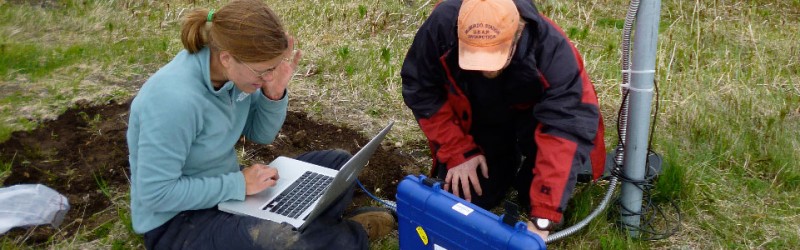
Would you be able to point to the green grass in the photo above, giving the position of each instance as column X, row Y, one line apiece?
column 34, row 61
column 728, row 71
column 5, row 170
column 102, row 185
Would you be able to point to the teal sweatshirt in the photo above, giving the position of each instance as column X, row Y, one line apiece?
column 181, row 137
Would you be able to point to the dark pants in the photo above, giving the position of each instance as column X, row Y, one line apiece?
column 510, row 152
column 214, row 229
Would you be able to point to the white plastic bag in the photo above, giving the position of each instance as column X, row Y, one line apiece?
column 29, row 205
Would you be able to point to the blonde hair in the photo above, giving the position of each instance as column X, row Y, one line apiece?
column 248, row 29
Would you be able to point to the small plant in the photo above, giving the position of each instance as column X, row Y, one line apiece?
column 610, row 22
column 343, row 52
column 577, row 33
column 5, row 169
column 374, row 112
column 349, row 69
column 386, row 55
column 102, row 184
column 125, row 217
column 92, row 122
column 362, row 10
column 103, row 230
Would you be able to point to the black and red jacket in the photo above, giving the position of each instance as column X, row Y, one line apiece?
column 546, row 75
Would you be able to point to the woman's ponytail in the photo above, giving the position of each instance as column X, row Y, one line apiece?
column 194, row 32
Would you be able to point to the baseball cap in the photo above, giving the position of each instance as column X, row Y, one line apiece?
column 486, row 30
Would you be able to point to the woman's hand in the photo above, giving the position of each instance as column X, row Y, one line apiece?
column 259, row 177
column 275, row 88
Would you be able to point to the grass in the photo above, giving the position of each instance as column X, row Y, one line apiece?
column 102, row 185
column 5, row 170
column 728, row 71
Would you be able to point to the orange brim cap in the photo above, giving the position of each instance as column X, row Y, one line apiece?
column 484, row 58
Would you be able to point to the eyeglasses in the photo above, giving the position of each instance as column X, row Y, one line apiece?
column 264, row 73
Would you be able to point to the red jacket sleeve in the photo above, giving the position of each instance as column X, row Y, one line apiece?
column 428, row 92
column 569, row 122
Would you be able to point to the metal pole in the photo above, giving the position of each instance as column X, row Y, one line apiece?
column 641, row 97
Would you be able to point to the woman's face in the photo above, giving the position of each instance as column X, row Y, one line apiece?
column 249, row 76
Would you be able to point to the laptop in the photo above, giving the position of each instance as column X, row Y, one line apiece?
column 304, row 190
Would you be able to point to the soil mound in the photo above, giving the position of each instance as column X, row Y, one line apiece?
column 84, row 156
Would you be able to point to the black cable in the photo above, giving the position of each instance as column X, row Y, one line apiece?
column 655, row 115
column 619, row 117
column 650, row 212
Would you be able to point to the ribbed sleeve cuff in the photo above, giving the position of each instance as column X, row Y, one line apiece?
column 545, row 213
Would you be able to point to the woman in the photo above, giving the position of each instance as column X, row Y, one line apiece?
column 230, row 81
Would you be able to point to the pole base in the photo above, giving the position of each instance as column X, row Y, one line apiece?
column 654, row 167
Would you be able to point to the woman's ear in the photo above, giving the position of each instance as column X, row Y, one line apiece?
column 225, row 59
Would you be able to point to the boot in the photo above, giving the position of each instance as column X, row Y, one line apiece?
column 378, row 222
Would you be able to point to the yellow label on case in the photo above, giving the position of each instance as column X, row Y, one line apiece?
column 422, row 235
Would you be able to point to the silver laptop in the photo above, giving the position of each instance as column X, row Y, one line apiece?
column 304, row 190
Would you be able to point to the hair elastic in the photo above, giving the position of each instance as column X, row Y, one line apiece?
column 210, row 15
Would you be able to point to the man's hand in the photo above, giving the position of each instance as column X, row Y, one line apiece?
column 460, row 177
column 542, row 234
column 259, row 177
column 276, row 86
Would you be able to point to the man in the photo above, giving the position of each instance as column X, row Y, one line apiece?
column 504, row 100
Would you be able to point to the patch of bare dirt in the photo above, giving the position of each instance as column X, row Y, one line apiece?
column 83, row 154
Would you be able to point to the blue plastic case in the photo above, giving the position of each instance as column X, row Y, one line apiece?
column 431, row 218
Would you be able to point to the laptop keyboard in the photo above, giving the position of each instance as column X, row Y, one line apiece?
column 300, row 195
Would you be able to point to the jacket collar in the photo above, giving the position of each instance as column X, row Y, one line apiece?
column 204, row 56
